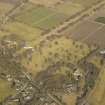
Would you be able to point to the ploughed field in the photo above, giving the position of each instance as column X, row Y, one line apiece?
column 89, row 31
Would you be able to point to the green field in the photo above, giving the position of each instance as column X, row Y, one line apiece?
column 100, row 20
column 40, row 17
column 51, row 22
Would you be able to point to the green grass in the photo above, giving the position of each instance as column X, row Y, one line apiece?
column 40, row 17
column 100, row 20
column 51, row 22
column 34, row 15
